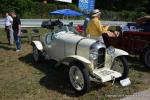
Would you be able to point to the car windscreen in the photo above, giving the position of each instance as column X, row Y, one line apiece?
column 67, row 29
column 72, row 30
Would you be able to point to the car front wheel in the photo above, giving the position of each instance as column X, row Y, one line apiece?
column 146, row 57
column 120, row 65
column 79, row 78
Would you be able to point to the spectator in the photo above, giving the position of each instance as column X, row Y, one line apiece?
column 8, row 29
column 87, row 19
column 17, row 30
column 95, row 28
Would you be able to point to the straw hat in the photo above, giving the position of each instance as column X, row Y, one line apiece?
column 95, row 13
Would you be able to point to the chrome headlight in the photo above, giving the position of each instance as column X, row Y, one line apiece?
column 110, row 50
column 93, row 54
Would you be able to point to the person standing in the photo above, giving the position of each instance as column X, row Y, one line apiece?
column 87, row 19
column 16, row 30
column 8, row 29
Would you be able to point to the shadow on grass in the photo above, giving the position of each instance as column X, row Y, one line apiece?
column 136, row 64
column 5, row 46
column 3, row 43
column 55, row 79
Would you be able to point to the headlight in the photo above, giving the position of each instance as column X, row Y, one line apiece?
column 110, row 50
column 93, row 55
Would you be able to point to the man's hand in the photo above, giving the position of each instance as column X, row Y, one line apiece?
column 106, row 27
column 88, row 35
column 113, row 34
column 117, row 33
column 19, row 33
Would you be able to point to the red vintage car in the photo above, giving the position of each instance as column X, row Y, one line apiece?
column 135, row 39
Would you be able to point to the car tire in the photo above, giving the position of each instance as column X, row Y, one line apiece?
column 79, row 78
column 37, row 55
column 146, row 57
column 120, row 64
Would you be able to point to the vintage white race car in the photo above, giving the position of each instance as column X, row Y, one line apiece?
column 86, row 58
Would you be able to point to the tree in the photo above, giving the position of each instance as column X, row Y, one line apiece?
column 119, row 5
column 20, row 6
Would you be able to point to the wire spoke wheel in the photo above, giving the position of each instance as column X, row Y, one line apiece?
column 120, row 65
column 35, row 54
column 76, row 78
column 79, row 78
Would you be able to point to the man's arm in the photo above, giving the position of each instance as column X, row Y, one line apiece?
column 19, row 30
column 11, row 19
column 19, row 27
column 101, row 28
column 104, row 29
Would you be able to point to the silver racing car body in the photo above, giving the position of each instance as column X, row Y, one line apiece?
column 86, row 58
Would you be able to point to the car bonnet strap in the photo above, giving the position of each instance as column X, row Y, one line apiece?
column 78, row 44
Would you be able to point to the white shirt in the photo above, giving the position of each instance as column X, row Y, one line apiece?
column 8, row 21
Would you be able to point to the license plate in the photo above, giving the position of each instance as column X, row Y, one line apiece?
column 125, row 82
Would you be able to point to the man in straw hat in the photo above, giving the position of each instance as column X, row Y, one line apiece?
column 95, row 29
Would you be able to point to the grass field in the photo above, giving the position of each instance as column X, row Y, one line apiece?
column 22, row 79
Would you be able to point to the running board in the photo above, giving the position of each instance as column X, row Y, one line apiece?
column 106, row 74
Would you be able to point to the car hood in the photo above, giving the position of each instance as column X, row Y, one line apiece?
column 76, row 44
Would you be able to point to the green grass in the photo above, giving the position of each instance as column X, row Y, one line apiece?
column 22, row 79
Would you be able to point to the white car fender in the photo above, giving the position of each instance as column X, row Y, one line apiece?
column 38, row 44
column 87, row 63
column 119, row 52
column 80, row 58
column 109, row 58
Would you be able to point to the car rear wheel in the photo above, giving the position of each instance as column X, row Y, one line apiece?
column 146, row 57
column 79, row 78
column 37, row 56
column 120, row 65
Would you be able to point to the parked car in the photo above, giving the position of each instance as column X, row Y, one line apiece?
column 86, row 58
column 135, row 39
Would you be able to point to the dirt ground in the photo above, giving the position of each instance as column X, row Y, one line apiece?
column 22, row 79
